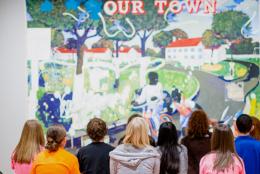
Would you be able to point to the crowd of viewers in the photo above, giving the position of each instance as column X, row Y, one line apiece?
column 207, row 148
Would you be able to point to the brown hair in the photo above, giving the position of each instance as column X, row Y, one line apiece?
column 137, row 133
column 96, row 129
column 30, row 143
column 55, row 135
column 256, row 131
column 222, row 143
column 198, row 125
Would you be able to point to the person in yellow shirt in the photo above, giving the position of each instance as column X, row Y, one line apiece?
column 55, row 159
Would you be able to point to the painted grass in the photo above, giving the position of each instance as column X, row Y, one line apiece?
column 56, row 79
column 240, row 70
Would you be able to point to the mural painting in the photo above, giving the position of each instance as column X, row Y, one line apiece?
column 159, row 58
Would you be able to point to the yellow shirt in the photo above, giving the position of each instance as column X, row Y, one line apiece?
column 59, row 162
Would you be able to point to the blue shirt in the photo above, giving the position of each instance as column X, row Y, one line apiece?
column 248, row 149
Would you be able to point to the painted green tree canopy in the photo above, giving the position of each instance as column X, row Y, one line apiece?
column 61, row 15
column 161, row 40
column 209, row 40
column 227, row 25
column 147, row 23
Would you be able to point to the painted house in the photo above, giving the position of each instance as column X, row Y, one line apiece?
column 98, row 54
column 192, row 53
column 65, row 54
column 127, row 54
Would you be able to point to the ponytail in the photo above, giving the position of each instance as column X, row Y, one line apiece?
column 55, row 136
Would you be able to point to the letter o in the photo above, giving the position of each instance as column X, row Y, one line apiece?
column 110, row 8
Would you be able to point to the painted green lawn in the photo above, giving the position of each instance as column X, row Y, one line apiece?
column 257, row 93
column 252, row 60
column 168, row 78
column 56, row 79
column 240, row 70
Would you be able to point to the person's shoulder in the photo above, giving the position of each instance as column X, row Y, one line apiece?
column 246, row 140
column 183, row 147
column 108, row 146
column 185, row 139
column 67, row 154
column 208, row 157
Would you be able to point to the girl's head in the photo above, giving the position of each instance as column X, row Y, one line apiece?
column 132, row 117
column 198, row 125
column 222, row 142
column 31, row 141
column 168, row 144
column 167, row 134
column 137, row 133
column 256, row 131
column 56, row 137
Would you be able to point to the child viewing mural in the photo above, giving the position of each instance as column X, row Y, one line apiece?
column 162, row 59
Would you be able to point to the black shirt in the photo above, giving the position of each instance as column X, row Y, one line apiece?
column 94, row 158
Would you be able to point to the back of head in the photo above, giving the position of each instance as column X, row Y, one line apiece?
column 132, row 117
column 167, row 134
column 256, row 131
column 244, row 123
column 137, row 133
column 96, row 129
column 198, row 125
column 222, row 142
column 168, row 142
column 55, row 137
column 30, row 142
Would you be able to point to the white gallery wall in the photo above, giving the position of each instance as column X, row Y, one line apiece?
column 13, row 92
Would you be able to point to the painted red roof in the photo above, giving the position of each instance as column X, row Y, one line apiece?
column 185, row 42
column 127, row 49
column 124, row 50
column 96, row 50
column 65, row 50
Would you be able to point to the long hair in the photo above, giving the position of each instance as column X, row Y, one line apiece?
column 55, row 136
column 256, row 131
column 137, row 133
column 30, row 143
column 198, row 125
column 168, row 143
column 222, row 143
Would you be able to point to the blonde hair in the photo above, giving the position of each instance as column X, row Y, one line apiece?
column 30, row 143
column 137, row 133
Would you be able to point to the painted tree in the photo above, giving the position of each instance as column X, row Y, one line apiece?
column 161, row 40
column 227, row 25
column 103, row 43
column 246, row 46
column 79, row 18
column 147, row 23
column 57, row 38
column 179, row 34
column 68, row 16
column 114, row 24
column 209, row 40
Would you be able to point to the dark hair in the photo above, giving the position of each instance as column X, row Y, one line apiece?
column 96, row 129
column 153, row 78
column 256, row 131
column 55, row 135
column 222, row 143
column 168, row 144
column 198, row 125
column 244, row 123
